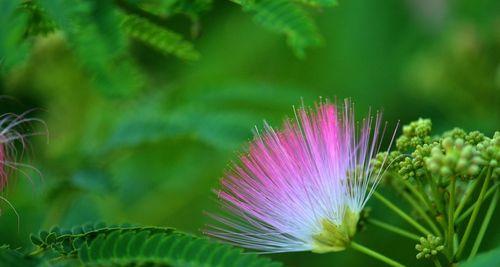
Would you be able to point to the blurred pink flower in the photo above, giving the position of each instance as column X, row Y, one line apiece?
column 14, row 129
column 301, row 188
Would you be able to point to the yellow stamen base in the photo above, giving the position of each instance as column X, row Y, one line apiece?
column 334, row 237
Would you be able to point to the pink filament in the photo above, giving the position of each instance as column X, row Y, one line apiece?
column 290, row 180
column 3, row 173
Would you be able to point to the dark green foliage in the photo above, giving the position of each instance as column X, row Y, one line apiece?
column 164, row 249
column 489, row 258
column 98, row 32
column 92, row 29
column 174, row 7
column 318, row 3
column 287, row 18
column 128, row 245
column 13, row 258
column 160, row 38
column 69, row 241
column 13, row 23
column 39, row 23
column 95, row 33
column 200, row 117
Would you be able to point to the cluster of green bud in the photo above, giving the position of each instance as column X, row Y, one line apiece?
column 455, row 153
column 455, row 133
column 414, row 166
column 414, row 134
column 406, row 168
column 384, row 161
column 454, row 158
column 472, row 138
column 489, row 151
column 429, row 247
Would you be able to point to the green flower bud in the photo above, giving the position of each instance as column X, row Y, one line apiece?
column 445, row 171
column 433, row 167
column 493, row 163
column 447, row 143
column 473, row 170
column 467, row 152
column 455, row 133
column 489, row 153
column 403, row 143
column 474, row 138
column 386, row 162
column 414, row 134
column 429, row 247
column 454, row 158
column 462, row 164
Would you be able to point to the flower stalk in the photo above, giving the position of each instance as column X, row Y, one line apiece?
column 484, row 225
column 375, row 255
column 393, row 229
column 473, row 217
column 418, row 207
column 438, row 175
column 401, row 213
column 451, row 213
column 468, row 193
column 469, row 210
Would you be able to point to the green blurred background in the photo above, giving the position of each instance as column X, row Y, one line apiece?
column 152, row 155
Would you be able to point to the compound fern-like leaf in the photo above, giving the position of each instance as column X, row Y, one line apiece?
column 158, row 37
column 149, row 248
column 128, row 245
column 285, row 17
column 12, row 25
column 68, row 242
column 13, row 258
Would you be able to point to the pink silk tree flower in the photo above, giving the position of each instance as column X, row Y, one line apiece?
column 301, row 188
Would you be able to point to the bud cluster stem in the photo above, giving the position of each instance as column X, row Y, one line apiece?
column 418, row 207
column 468, row 193
column 484, row 225
column 375, row 254
column 401, row 213
column 466, row 213
column 473, row 217
column 394, row 229
column 451, row 222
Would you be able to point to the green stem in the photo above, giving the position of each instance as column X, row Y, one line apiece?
column 437, row 208
column 471, row 208
column 451, row 213
column 417, row 194
column 437, row 263
column 375, row 254
column 14, row 210
column 473, row 217
column 437, row 215
column 394, row 229
column 36, row 252
column 484, row 225
column 470, row 189
column 435, row 192
column 421, row 211
column 401, row 213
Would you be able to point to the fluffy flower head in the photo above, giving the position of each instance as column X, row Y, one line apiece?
column 303, row 187
column 14, row 129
